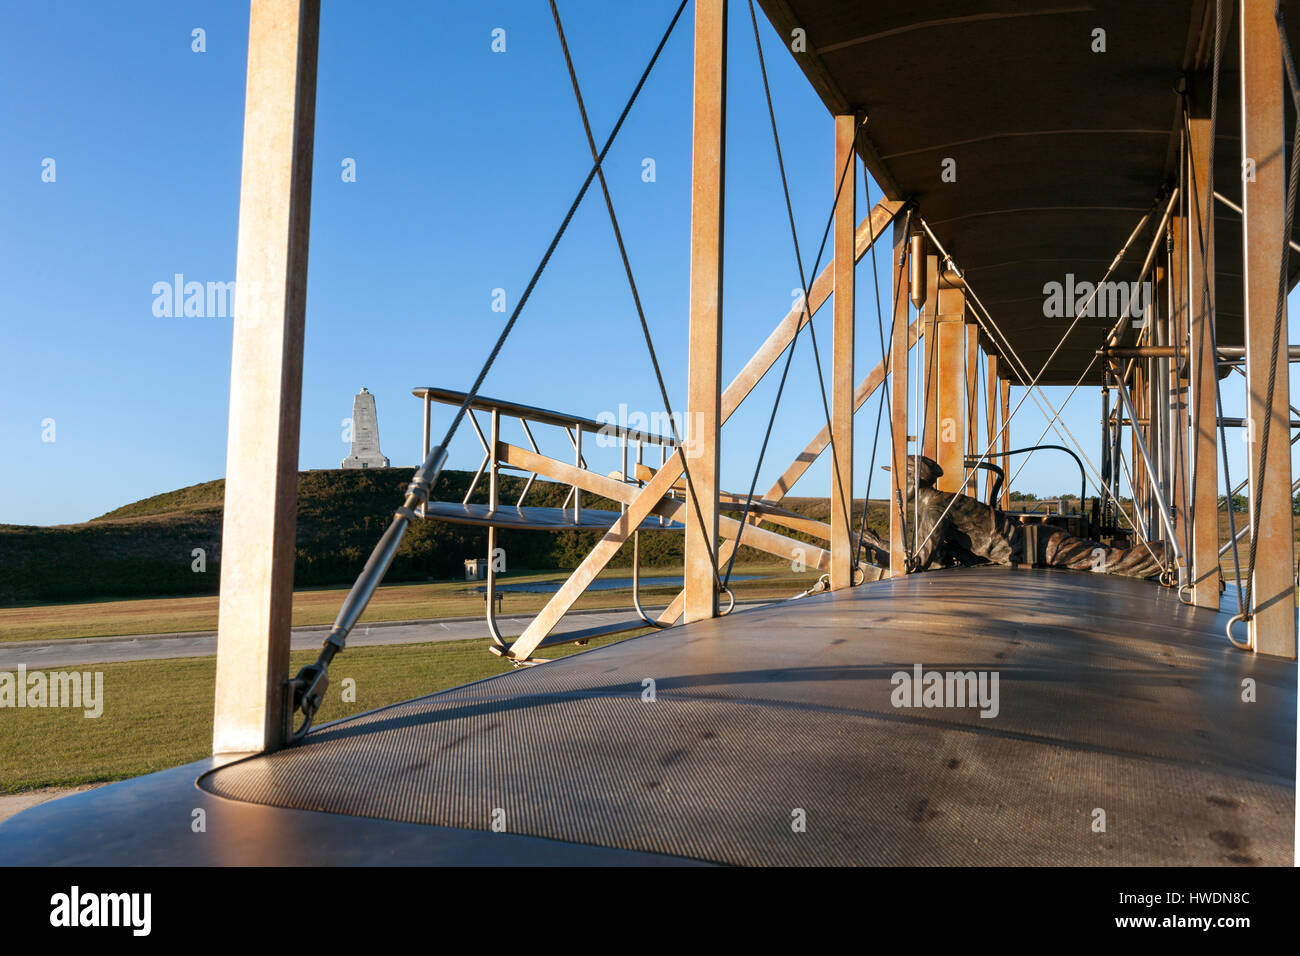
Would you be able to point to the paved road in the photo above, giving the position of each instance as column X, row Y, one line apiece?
column 71, row 652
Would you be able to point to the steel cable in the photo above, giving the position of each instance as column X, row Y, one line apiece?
column 636, row 296
column 807, row 306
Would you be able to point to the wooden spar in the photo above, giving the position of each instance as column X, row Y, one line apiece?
column 704, row 358
column 1203, row 452
column 1272, row 629
column 991, row 423
column 787, row 548
column 1173, row 430
column 898, row 392
column 928, row 380
column 1006, row 440
column 842, row 404
column 763, row 508
column 947, row 391
column 1149, row 385
column 972, row 403
column 257, row 536
column 1143, row 401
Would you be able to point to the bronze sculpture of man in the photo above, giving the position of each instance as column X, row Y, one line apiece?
column 958, row 529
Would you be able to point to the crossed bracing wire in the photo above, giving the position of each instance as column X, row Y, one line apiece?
column 631, row 281
column 1279, row 323
column 307, row 688
column 805, row 306
column 1033, row 384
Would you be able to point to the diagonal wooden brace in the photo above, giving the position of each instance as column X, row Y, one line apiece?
column 818, row 445
column 767, row 509
column 872, row 227
column 874, row 379
column 672, row 508
column 804, row 461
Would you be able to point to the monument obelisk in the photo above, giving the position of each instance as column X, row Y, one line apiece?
column 365, row 434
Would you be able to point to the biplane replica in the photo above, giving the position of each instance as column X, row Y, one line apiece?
column 1105, row 148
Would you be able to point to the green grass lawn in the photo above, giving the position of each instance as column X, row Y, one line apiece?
column 158, row 714
column 397, row 602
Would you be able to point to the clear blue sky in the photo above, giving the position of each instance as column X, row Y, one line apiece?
column 466, row 160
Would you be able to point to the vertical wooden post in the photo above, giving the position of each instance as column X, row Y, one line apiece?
column 1140, row 481
column 949, row 389
column 1203, row 453
column 1273, row 627
column 842, row 381
column 1171, row 431
column 1154, row 431
column 991, row 424
column 929, row 378
column 1115, row 435
column 898, row 392
column 972, row 403
column 704, row 383
column 1006, row 442
column 257, row 536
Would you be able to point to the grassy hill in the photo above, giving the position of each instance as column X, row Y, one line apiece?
column 146, row 548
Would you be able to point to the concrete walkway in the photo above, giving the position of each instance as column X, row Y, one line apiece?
column 75, row 652
column 11, row 804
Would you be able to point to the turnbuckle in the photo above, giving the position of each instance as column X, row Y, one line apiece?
column 305, row 692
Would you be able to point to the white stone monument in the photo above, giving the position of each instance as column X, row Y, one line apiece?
column 365, row 434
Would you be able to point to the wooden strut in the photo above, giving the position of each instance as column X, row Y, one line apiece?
column 1272, row 626
column 899, row 349
column 704, row 348
column 670, row 508
column 930, row 375
column 266, row 377
column 991, row 421
column 842, row 408
column 948, row 425
column 973, row 404
column 1202, row 455
column 1004, row 385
